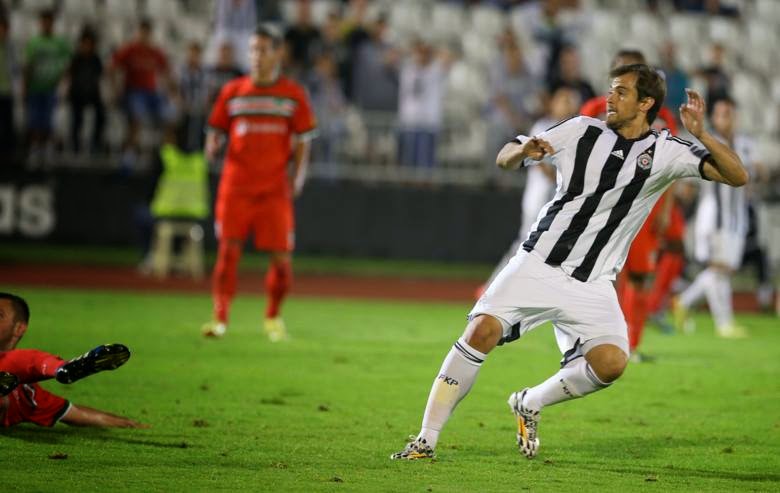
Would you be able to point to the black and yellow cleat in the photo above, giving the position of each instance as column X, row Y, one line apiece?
column 105, row 357
column 527, row 425
column 414, row 450
column 8, row 382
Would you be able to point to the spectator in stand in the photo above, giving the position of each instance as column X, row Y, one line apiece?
column 711, row 7
column 375, row 71
column 234, row 22
column 514, row 93
column 568, row 73
column 549, row 31
column 300, row 39
column 423, row 85
column 8, row 73
column 676, row 78
column 718, row 81
column 329, row 106
column 83, row 76
column 145, row 69
column 194, row 94
column 354, row 30
column 332, row 42
column 225, row 70
column 45, row 60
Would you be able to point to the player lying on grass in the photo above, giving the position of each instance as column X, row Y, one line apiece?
column 23, row 400
column 610, row 174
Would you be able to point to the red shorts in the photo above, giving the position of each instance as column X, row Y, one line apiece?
column 676, row 229
column 269, row 217
column 642, row 254
column 30, row 403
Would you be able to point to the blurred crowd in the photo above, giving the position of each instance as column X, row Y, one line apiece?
column 385, row 87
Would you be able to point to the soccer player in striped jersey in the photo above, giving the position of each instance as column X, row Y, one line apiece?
column 610, row 173
column 268, row 122
column 665, row 220
column 720, row 230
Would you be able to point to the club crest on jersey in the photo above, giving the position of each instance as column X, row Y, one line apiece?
column 644, row 161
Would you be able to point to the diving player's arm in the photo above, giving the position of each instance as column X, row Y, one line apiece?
column 87, row 416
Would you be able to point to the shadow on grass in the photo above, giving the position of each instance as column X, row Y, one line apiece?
column 61, row 435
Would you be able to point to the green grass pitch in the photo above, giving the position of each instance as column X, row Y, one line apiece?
column 324, row 411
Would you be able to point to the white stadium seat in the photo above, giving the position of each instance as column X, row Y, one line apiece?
column 486, row 20
column 448, row 21
column 408, row 18
column 477, row 49
column 725, row 31
column 647, row 27
column 125, row 9
column 686, row 29
column 767, row 10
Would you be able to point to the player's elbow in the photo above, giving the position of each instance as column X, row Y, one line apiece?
column 507, row 156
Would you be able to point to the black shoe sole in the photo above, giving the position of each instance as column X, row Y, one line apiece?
column 8, row 383
column 106, row 357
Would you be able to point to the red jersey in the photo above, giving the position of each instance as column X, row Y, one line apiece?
column 141, row 63
column 594, row 107
column 260, row 121
column 30, row 403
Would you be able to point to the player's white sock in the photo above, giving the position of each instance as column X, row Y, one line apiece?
column 577, row 379
column 454, row 380
column 720, row 305
column 698, row 288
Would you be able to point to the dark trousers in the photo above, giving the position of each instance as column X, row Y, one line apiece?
column 7, row 131
column 77, row 120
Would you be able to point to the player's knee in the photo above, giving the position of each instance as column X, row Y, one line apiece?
column 607, row 361
column 483, row 333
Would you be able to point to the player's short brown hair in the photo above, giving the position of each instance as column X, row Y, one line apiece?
column 649, row 84
column 21, row 308
column 267, row 30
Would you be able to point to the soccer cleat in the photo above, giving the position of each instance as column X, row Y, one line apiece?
column 275, row 330
column 105, row 357
column 214, row 329
column 732, row 331
column 8, row 382
column 527, row 423
column 416, row 449
column 680, row 318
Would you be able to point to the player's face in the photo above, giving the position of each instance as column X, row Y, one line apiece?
column 723, row 117
column 8, row 324
column 622, row 101
column 263, row 55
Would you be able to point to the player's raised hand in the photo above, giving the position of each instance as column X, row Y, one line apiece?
column 512, row 155
column 692, row 113
column 536, row 149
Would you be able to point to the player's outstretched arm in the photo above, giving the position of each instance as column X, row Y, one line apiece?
column 511, row 156
column 724, row 166
column 87, row 416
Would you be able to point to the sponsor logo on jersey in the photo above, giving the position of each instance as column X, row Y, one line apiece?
column 618, row 154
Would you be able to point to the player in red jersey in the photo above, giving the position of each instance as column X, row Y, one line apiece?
column 267, row 120
column 23, row 400
column 661, row 226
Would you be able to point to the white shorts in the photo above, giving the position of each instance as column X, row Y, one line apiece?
column 528, row 292
column 720, row 247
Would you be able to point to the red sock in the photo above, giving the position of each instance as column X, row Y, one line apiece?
column 278, row 280
column 30, row 365
column 635, row 310
column 225, row 278
column 670, row 266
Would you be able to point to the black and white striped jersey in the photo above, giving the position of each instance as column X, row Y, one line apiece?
column 606, row 187
column 721, row 207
